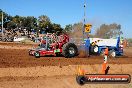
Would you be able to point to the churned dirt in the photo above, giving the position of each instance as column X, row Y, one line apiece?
column 19, row 70
column 16, row 55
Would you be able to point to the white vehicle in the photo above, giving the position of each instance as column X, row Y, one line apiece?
column 17, row 39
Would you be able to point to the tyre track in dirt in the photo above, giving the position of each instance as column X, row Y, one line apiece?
column 20, row 58
column 16, row 55
column 23, row 71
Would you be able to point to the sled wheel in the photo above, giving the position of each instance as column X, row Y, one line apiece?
column 80, row 80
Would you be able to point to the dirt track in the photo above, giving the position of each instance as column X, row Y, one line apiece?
column 17, row 56
column 16, row 67
column 56, row 77
column 55, row 82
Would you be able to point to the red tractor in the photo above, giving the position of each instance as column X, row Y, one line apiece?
column 55, row 45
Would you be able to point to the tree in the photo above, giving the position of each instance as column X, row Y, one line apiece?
column 29, row 23
column 68, row 28
column 109, row 31
column 11, row 25
column 56, row 27
column 17, row 20
column 44, row 23
column 6, row 18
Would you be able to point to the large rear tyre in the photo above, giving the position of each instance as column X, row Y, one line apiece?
column 37, row 54
column 69, row 50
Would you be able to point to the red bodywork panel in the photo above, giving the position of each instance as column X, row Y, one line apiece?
column 32, row 52
column 49, row 52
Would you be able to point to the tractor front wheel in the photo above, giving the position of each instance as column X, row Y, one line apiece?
column 37, row 54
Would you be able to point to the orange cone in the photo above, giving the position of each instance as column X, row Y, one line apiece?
column 81, row 71
column 105, row 61
column 103, row 68
column 106, row 51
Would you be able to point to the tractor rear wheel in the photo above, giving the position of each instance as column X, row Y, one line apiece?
column 69, row 50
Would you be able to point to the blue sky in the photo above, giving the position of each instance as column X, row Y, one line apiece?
column 71, row 11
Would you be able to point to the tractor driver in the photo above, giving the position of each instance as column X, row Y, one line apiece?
column 42, row 42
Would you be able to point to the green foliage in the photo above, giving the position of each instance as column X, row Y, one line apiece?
column 46, row 25
column 68, row 28
column 43, row 23
column 11, row 25
column 56, row 27
column 6, row 18
column 30, row 22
